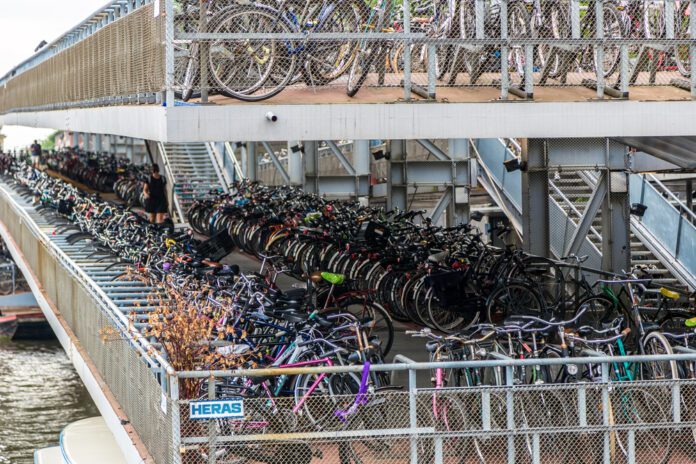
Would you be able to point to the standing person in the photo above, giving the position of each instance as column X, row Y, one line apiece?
column 156, row 196
column 35, row 154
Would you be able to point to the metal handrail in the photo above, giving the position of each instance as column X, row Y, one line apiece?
column 141, row 344
column 419, row 366
column 66, row 39
column 680, row 204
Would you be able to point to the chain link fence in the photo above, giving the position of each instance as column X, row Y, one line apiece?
column 255, row 51
column 605, row 420
column 123, row 62
column 381, row 50
column 132, row 380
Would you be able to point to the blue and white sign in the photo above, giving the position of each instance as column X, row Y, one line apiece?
column 217, row 409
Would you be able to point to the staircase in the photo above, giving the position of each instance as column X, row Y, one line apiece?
column 663, row 239
column 193, row 172
column 577, row 188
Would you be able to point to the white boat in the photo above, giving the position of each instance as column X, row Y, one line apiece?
column 48, row 456
column 88, row 441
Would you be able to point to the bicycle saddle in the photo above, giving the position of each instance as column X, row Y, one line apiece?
column 431, row 346
column 292, row 316
column 333, row 279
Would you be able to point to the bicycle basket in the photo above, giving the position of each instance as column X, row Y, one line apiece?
column 372, row 232
column 449, row 287
column 216, row 247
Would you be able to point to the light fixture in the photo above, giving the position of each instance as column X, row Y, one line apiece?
column 514, row 164
column 638, row 209
column 476, row 216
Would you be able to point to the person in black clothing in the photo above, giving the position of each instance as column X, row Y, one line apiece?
column 156, row 196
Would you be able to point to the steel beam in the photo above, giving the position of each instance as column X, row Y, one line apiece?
column 442, row 204
column 591, row 210
column 535, row 198
column 276, row 162
column 341, row 157
column 433, row 149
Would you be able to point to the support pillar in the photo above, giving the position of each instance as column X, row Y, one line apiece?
column 690, row 194
column 535, row 198
column 129, row 149
column 361, row 165
column 87, row 142
column 616, row 219
column 397, row 190
column 249, row 163
column 97, row 143
column 458, row 210
column 311, row 166
column 74, row 139
column 295, row 164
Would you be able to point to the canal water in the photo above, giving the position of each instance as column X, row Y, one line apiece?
column 40, row 393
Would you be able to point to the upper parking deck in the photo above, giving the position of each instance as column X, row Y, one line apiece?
column 189, row 71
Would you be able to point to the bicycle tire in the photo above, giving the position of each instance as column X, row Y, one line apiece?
column 360, row 67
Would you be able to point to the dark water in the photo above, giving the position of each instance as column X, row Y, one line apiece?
column 40, row 393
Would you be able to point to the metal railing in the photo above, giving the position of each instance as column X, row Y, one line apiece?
column 409, row 49
column 588, row 421
column 668, row 225
column 135, row 372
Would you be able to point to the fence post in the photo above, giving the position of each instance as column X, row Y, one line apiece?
column 211, row 424
column 605, row 412
column 623, row 71
column 407, row 50
column 529, row 70
column 169, row 52
column 692, row 46
column 204, row 51
column 413, row 417
column 432, row 75
column 599, row 15
column 176, row 419
column 510, row 412
column 504, row 71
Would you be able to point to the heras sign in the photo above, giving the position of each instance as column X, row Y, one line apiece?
column 217, row 409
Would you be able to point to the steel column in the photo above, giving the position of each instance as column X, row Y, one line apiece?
column 249, row 160
column 535, row 198
column 361, row 166
column 296, row 169
column 311, row 167
column 458, row 211
column 396, row 176
column 97, row 143
column 616, row 224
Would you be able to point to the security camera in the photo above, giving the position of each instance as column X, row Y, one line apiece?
column 271, row 117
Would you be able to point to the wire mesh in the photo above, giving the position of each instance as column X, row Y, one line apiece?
column 256, row 51
column 123, row 59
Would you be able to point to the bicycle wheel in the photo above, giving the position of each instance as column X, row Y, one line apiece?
column 595, row 309
column 513, row 299
column 544, row 409
column 326, row 61
column 361, row 65
column 319, row 405
column 613, row 29
column 381, row 325
column 255, row 69
column 655, row 343
column 638, row 407
column 518, row 28
column 542, row 274
column 448, row 320
column 682, row 31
